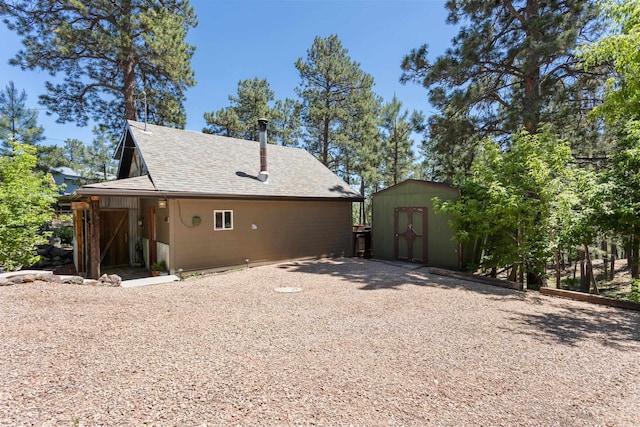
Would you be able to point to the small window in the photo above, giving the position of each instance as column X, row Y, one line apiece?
column 223, row 220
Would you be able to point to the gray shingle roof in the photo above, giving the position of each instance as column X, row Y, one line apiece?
column 199, row 164
column 137, row 183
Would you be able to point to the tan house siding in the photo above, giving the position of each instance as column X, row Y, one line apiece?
column 263, row 231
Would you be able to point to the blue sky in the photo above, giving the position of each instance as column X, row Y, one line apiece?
column 242, row 39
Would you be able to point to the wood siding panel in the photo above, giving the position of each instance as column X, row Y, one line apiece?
column 442, row 250
column 133, row 230
column 263, row 231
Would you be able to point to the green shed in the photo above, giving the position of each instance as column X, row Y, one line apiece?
column 406, row 227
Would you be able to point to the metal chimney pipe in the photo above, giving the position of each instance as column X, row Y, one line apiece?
column 262, row 127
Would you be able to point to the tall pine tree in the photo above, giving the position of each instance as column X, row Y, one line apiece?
column 109, row 53
column 331, row 83
column 511, row 66
column 17, row 122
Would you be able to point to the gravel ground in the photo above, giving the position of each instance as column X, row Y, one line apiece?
column 364, row 343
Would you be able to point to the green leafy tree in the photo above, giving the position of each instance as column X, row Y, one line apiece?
column 512, row 65
column 17, row 123
column 26, row 198
column 510, row 201
column 330, row 84
column 109, row 53
column 397, row 128
column 620, row 190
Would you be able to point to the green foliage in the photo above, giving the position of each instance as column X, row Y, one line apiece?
column 510, row 200
column 397, row 127
column 26, row 198
column 108, row 52
column 17, row 123
column 336, row 94
column 286, row 125
column 240, row 119
column 634, row 295
column 622, row 51
column 620, row 183
column 159, row 266
column 512, row 65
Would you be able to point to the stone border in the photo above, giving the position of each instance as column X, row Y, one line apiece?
column 475, row 278
column 594, row 299
column 14, row 278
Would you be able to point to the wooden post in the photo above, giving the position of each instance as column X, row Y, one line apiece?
column 79, row 235
column 94, row 257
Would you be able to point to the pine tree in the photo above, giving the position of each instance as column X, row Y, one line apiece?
column 240, row 119
column 17, row 123
column 109, row 54
column 286, row 125
column 397, row 127
column 330, row 83
column 511, row 66
column 99, row 164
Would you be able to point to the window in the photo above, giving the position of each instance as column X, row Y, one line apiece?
column 223, row 220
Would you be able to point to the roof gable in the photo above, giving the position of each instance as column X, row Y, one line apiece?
column 418, row 182
column 198, row 164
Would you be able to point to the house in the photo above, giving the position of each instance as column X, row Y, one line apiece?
column 204, row 202
column 68, row 177
column 406, row 227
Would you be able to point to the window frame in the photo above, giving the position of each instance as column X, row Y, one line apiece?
column 223, row 212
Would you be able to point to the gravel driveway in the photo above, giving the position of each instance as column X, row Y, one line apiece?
column 364, row 343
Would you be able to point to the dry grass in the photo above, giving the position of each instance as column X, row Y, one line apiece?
column 364, row 343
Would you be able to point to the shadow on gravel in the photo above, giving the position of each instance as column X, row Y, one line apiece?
column 375, row 275
column 617, row 328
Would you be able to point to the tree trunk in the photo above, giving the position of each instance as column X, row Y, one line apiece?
column 531, row 98
column 614, row 253
column 591, row 278
column 584, row 278
column 635, row 255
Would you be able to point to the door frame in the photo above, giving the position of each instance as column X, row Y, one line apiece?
column 410, row 235
column 153, row 247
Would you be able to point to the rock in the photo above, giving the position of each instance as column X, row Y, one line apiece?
column 51, row 278
column 74, row 280
column 44, row 249
column 110, row 280
column 90, row 282
column 16, row 280
column 115, row 279
column 5, row 282
column 55, row 241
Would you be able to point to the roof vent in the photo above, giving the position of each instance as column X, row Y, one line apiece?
column 262, row 126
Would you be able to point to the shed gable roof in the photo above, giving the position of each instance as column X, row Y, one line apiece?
column 195, row 164
column 419, row 182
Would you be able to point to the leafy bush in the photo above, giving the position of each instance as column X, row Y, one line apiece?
column 634, row 295
column 26, row 198
column 64, row 233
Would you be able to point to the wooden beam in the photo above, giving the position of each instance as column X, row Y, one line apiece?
column 77, row 206
column 94, row 247
column 79, row 235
